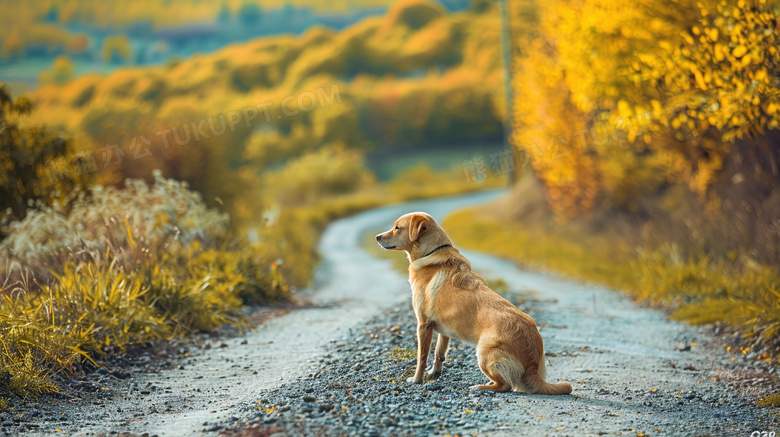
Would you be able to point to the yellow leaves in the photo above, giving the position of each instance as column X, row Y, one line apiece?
column 700, row 82
column 717, row 68
column 712, row 33
column 624, row 108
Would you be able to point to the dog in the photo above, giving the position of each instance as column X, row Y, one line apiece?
column 457, row 303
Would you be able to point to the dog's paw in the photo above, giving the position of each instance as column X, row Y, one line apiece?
column 414, row 380
column 434, row 374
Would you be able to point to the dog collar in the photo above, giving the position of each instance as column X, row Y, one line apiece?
column 438, row 248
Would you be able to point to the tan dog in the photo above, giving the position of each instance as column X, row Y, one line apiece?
column 457, row 303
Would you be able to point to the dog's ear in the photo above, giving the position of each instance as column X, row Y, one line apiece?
column 417, row 226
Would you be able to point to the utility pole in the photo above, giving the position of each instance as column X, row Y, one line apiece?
column 506, row 55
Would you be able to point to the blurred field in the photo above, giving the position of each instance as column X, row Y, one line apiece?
column 697, row 288
column 398, row 81
column 47, row 24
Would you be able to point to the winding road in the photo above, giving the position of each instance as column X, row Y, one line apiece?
column 613, row 352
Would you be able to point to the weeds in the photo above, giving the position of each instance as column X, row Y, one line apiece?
column 770, row 401
column 402, row 354
column 122, row 267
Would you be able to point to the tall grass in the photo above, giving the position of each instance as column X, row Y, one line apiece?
column 120, row 267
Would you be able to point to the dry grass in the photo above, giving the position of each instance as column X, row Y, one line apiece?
column 121, row 267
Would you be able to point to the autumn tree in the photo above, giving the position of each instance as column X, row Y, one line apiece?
column 36, row 165
column 615, row 99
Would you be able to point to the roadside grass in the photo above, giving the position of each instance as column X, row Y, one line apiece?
column 770, row 401
column 121, row 267
column 149, row 262
column 698, row 290
column 402, row 354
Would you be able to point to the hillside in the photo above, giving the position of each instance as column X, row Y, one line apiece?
column 415, row 76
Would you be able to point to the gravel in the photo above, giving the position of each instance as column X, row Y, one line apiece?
column 360, row 389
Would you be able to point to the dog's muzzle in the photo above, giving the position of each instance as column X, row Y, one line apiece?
column 379, row 240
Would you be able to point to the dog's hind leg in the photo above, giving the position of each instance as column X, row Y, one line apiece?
column 491, row 362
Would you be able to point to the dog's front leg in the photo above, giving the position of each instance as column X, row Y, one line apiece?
column 424, row 335
column 442, row 344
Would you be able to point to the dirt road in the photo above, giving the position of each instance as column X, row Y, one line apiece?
column 629, row 373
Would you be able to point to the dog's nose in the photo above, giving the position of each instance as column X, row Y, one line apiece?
column 378, row 237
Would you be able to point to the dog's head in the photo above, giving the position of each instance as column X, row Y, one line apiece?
column 416, row 233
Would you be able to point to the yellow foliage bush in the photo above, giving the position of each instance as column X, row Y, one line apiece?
column 614, row 100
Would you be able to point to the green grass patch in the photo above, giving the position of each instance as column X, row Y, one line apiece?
column 402, row 354
column 699, row 290
column 770, row 401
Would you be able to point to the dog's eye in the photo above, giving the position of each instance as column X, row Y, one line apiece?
column 397, row 228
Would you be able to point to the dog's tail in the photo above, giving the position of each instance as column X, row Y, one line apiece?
column 534, row 383
column 534, row 380
column 530, row 380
